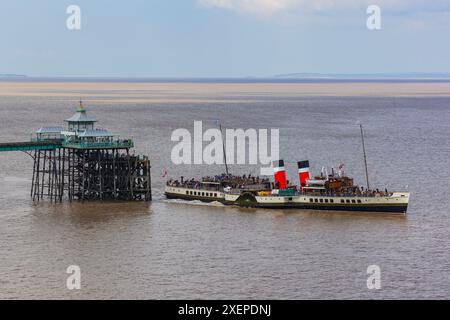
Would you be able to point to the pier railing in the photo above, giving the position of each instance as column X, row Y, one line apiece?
column 30, row 145
column 118, row 144
column 99, row 145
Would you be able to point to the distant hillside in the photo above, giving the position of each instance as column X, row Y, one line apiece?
column 12, row 75
column 414, row 75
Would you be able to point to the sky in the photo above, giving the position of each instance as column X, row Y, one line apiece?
column 222, row 38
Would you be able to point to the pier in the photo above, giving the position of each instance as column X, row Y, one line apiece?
column 80, row 162
column 30, row 145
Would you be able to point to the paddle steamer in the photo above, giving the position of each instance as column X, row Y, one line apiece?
column 335, row 191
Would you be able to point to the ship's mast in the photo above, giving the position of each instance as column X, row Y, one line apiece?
column 223, row 146
column 365, row 157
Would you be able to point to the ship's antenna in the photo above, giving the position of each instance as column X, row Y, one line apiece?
column 223, row 146
column 365, row 157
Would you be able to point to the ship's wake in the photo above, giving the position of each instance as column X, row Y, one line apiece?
column 195, row 202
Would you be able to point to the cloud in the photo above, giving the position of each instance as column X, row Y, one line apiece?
column 251, row 6
column 274, row 6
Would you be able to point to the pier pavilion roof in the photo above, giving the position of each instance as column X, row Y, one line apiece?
column 97, row 133
column 81, row 116
column 44, row 130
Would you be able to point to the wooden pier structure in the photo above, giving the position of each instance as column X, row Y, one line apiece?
column 83, row 163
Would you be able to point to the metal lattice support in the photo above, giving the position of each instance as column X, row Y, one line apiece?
column 86, row 174
column 47, row 175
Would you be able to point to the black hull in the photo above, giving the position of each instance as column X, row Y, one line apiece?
column 399, row 209
column 192, row 198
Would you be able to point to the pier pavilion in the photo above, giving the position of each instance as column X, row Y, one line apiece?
column 82, row 162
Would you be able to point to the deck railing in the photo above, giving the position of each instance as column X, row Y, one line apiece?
column 99, row 145
column 128, row 143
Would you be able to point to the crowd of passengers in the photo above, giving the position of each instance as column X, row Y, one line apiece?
column 351, row 192
column 241, row 182
column 223, row 180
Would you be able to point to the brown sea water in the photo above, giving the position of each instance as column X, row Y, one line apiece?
column 175, row 249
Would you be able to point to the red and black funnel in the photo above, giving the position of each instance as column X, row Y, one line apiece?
column 303, row 172
column 279, row 174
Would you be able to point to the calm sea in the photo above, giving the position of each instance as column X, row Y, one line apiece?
column 175, row 249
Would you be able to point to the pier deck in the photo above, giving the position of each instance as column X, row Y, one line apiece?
column 30, row 145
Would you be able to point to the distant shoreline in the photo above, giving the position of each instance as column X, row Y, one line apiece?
column 143, row 91
column 12, row 76
column 281, row 80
